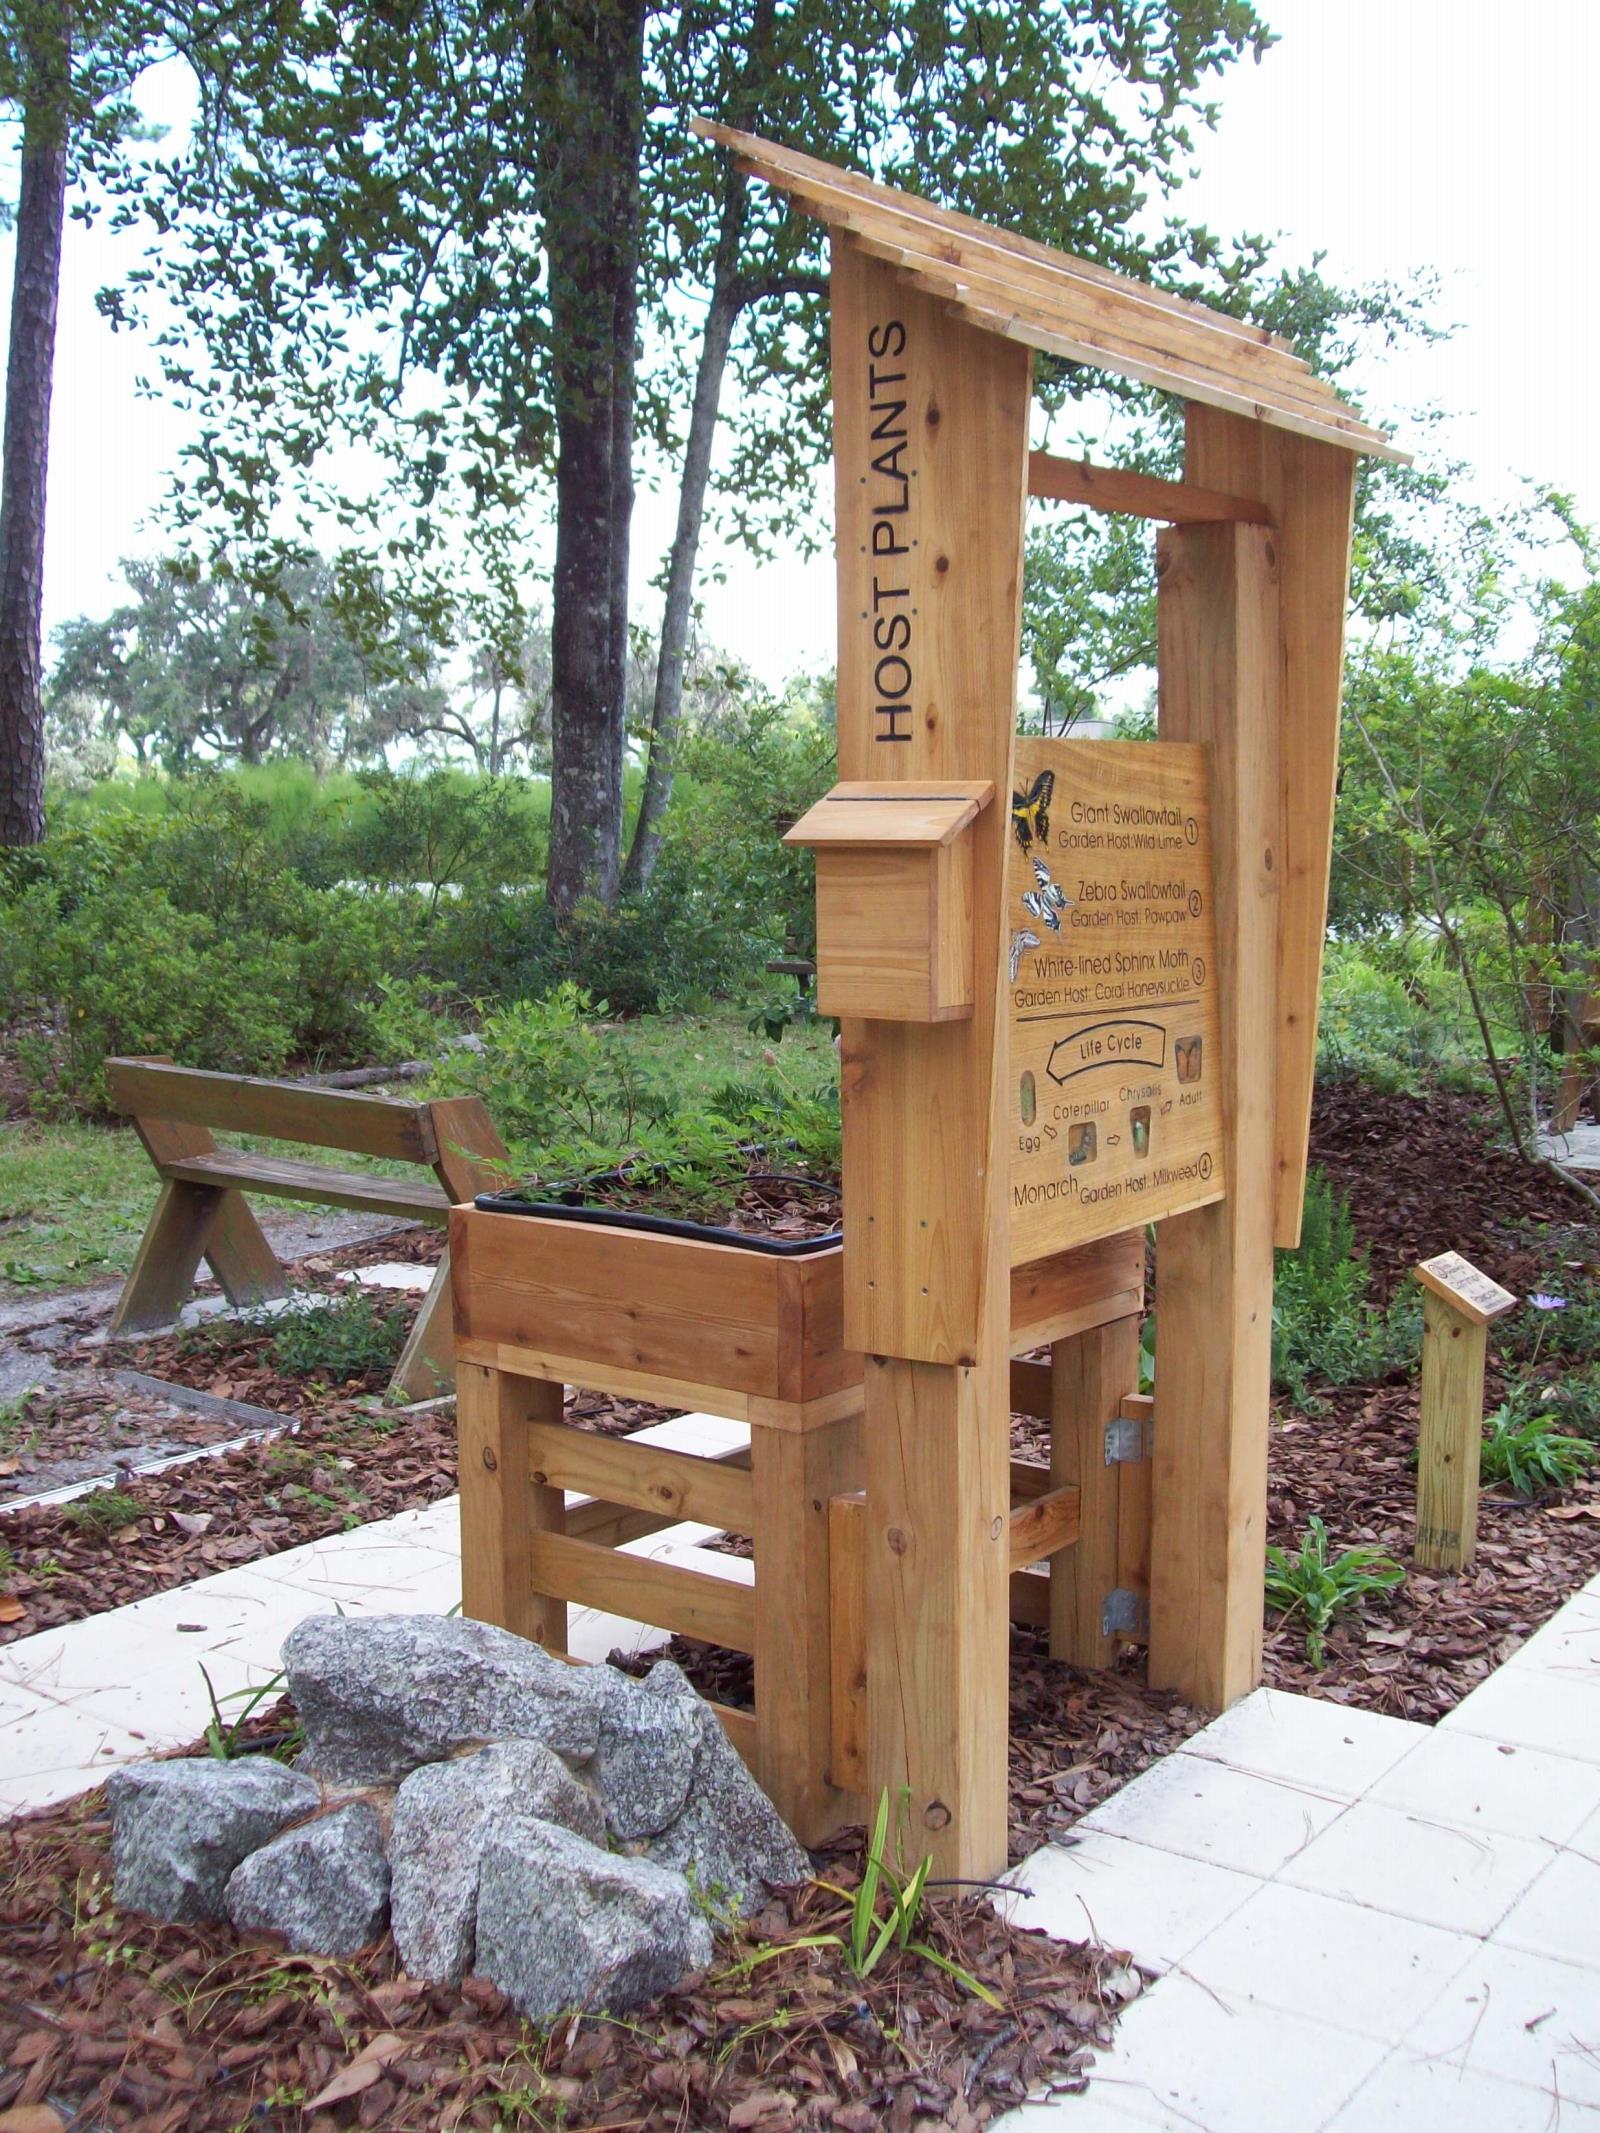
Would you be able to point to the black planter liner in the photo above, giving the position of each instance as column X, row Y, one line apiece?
column 573, row 1206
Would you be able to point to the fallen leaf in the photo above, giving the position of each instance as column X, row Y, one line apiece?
column 193, row 1522
column 32, row 2118
column 1572, row 1510
column 368, row 2066
column 9, row 1466
column 11, row 1608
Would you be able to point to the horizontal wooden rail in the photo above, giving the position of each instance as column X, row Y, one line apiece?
column 1178, row 503
column 1046, row 1524
column 645, row 1477
column 236, row 1103
column 718, row 1610
column 282, row 1178
column 611, row 1525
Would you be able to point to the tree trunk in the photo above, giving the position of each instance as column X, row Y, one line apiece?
column 26, row 451
column 666, row 716
column 592, row 239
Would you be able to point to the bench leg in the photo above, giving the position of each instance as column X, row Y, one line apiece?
column 427, row 1361
column 241, row 1258
column 795, row 1474
column 501, row 1509
column 175, row 1240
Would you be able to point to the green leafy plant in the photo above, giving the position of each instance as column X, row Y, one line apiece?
column 348, row 1337
column 1523, row 1446
column 1324, row 1331
column 1318, row 1591
column 224, row 1736
column 104, row 1511
column 870, row 1936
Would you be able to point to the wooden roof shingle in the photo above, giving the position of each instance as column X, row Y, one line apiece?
column 1063, row 306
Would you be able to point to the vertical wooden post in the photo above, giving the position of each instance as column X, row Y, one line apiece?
column 847, row 1640
column 1458, row 1305
column 1220, row 668
column 1454, row 1351
column 795, row 1473
column 930, row 444
column 502, row 1506
column 1089, row 1374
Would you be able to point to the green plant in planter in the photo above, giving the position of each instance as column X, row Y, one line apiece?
column 1524, row 1447
column 1307, row 1584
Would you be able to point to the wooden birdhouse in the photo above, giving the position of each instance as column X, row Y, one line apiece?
column 894, row 897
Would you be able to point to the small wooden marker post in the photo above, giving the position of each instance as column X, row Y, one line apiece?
column 1458, row 1308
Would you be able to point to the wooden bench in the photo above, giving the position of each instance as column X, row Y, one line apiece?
column 202, row 1212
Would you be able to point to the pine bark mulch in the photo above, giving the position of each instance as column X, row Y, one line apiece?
column 108, row 2020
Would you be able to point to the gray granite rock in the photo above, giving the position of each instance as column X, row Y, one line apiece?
column 442, row 1815
column 563, row 1924
column 379, row 1696
column 323, row 1886
column 729, row 1840
column 178, row 1830
column 649, row 1738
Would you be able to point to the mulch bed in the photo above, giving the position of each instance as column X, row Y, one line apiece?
column 89, row 1426
column 112, row 2021
column 337, row 1466
column 1425, row 1174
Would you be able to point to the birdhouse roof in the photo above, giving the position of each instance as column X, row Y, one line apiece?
column 1009, row 285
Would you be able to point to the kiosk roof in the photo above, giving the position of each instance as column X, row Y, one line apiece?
column 1067, row 307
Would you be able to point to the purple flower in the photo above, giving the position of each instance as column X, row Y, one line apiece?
column 1541, row 1302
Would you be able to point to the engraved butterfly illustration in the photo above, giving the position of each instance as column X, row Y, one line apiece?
column 1021, row 941
column 1046, row 902
column 1030, row 812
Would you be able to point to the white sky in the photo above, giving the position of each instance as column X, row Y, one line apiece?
column 1394, row 135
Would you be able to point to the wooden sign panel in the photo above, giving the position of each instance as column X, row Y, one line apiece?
column 1466, row 1288
column 1115, row 1079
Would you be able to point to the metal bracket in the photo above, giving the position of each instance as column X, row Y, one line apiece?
column 1124, row 1612
column 1127, row 1442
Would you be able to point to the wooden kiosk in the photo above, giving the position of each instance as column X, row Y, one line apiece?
column 1078, row 983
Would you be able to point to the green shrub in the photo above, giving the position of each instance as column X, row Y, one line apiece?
column 1308, row 1586
column 104, row 1511
column 347, row 1337
column 1395, row 1014
column 1523, row 1446
column 554, row 1086
column 1323, row 1328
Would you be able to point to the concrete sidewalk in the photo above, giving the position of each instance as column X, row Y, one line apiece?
column 1363, row 1924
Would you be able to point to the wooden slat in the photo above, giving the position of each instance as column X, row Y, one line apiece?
column 612, row 1525
column 648, row 1477
column 1310, row 491
column 1180, row 503
column 471, row 1157
column 911, row 812
column 1072, row 1291
column 1220, row 672
column 1060, row 303
column 1122, row 339
column 717, row 1610
column 501, row 1509
column 279, row 1177
column 789, row 169
column 236, row 1247
column 1043, row 1527
column 239, row 1103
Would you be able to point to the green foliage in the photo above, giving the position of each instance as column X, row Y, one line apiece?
column 551, row 1080
column 104, row 1511
column 187, row 933
column 1523, row 1447
column 224, row 1737
column 1323, row 1328
column 1395, row 1015
column 1309, row 1587
column 349, row 1336
column 870, row 1937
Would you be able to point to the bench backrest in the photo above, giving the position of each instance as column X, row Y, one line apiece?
column 238, row 1103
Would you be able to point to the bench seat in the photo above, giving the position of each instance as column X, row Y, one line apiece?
column 284, row 1179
